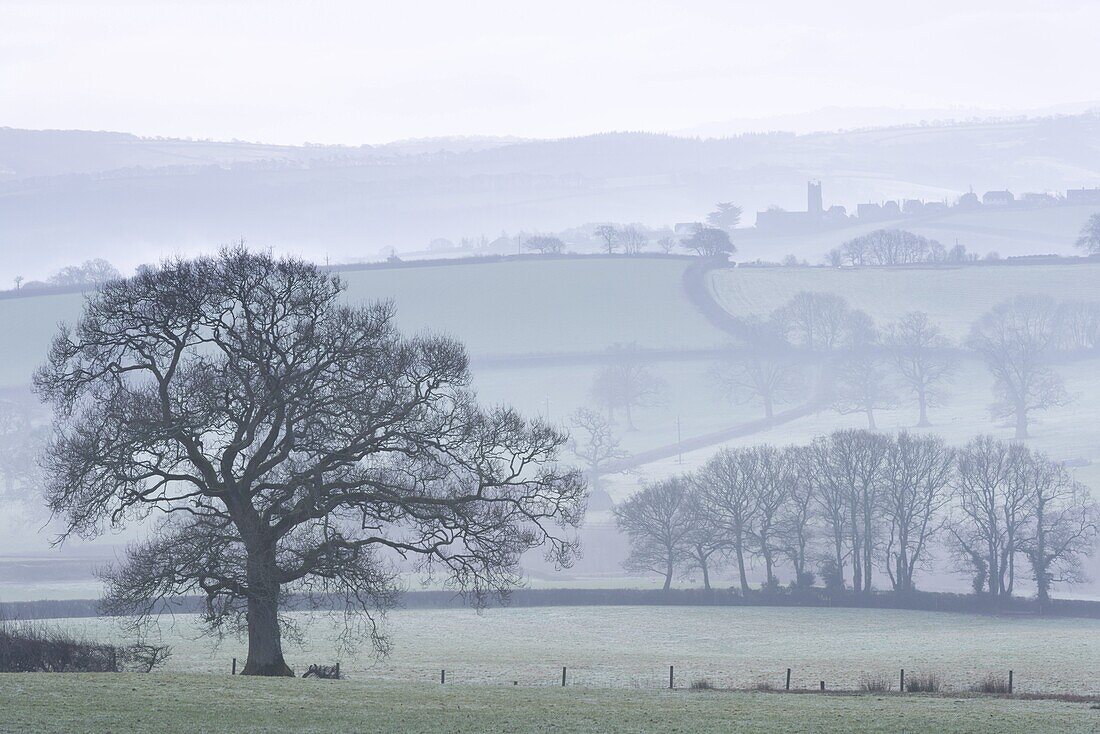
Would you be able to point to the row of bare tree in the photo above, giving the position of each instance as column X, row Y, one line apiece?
column 864, row 369
column 857, row 501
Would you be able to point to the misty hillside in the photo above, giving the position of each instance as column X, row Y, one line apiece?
column 65, row 196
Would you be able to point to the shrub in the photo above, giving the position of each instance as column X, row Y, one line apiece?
column 702, row 684
column 35, row 648
column 144, row 657
column 991, row 683
column 875, row 684
column 764, row 685
column 923, row 683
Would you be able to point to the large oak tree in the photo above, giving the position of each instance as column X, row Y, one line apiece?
column 290, row 445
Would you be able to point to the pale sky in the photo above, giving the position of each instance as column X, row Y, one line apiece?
column 367, row 72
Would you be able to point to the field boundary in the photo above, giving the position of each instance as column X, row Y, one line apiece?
column 929, row 601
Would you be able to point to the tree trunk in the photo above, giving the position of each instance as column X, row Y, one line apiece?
column 668, row 575
column 706, row 574
column 922, row 399
column 1021, row 424
column 629, row 418
column 769, row 411
column 744, row 578
column 265, row 645
column 871, row 420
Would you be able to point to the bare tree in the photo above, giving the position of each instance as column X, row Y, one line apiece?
column 1062, row 522
column 771, row 478
column 545, row 244
column 887, row 247
column 849, row 468
column 20, row 442
column 920, row 354
column 609, row 235
column 667, row 244
column 815, row 321
column 626, row 383
column 725, row 483
column 862, row 385
column 1014, row 340
column 990, row 513
column 659, row 521
column 796, row 522
column 289, row 442
column 917, row 477
column 594, row 443
column 709, row 242
column 705, row 542
column 634, row 241
column 1078, row 325
column 1089, row 239
column 91, row 272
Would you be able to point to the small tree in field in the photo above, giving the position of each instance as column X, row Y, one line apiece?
column 1089, row 239
column 659, row 520
column 709, row 242
column 1015, row 340
column 545, row 244
column 291, row 444
column 919, row 352
column 625, row 383
column 609, row 235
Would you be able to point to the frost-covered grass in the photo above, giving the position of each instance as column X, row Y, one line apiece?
column 953, row 297
column 164, row 704
column 632, row 647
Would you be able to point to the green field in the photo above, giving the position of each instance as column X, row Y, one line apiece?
column 953, row 297
column 632, row 647
column 163, row 704
column 503, row 308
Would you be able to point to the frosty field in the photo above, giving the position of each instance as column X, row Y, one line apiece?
column 628, row 647
column 170, row 703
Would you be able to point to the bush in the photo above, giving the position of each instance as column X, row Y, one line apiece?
column 764, row 685
column 702, row 684
column 991, row 683
column 875, row 684
column 923, row 683
column 35, row 648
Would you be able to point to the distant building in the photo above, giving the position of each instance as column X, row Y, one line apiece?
column 1034, row 199
column 815, row 216
column 935, row 207
column 1083, row 196
column 969, row 200
column 913, row 207
column 998, row 198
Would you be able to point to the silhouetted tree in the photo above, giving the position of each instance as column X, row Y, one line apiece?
column 633, row 240
column 545, row 244
column 725, row 483
column 626, row 383
column 1015, row 340
column 917, row 477
column 920, row 354
column 659, row 520
column 815, row 321
column 288, row 440
column 609, row 235
column 709, row 242
column 594, row 443
column 91, row 272
column 1089, row 239
column 726, row 215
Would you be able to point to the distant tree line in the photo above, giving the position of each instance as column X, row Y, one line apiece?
column 856, row 502
column 859, row 368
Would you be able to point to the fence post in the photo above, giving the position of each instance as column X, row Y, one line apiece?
column 234, row 666
column 788, row 686
column 1010, row 682
column 902, row 688
column 670, row 678
column 822, row 685
column 442, row 676
column 337, row 670
column 563, row 676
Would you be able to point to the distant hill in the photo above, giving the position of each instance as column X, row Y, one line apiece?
column 67, row 196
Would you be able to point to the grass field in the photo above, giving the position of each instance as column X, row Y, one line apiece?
column 632, row 647
column 503, row 308
column 953, row 297
column 164, row 704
